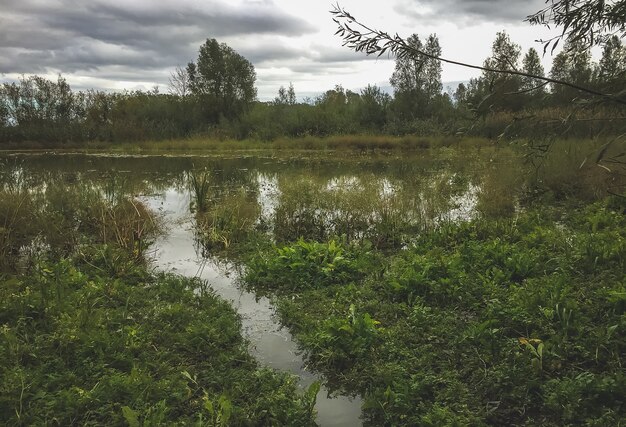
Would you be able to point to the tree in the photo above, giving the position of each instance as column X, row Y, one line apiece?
column 493, row 89
column 460, row 95
column 533, row 90
column 286, row 96
column 179, row 82
column 504, row 56
column 572, row 64
column 420, row 73
column 590, row 22
column 223, row 80
column 611, row 74
column 531, row 65
column 362, row 38
column 372, row 108
column 417, row 80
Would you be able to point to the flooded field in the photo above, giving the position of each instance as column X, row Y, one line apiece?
column 422, row 289
column 380, row 198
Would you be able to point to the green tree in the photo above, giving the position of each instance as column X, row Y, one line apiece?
column 38, row 109
column 286, row 96
column 417, row 79
column 531, row 64
column 573, row 65
column 363, row 38
column 534, row 90
column 460, row 95
column 372, row 108
column 494, row 90
column 611, row 75
column 222, row 80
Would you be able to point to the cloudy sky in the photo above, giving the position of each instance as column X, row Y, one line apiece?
column 136, row 44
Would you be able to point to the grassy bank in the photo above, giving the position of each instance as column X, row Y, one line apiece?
column 492, row 322
column 338, row 142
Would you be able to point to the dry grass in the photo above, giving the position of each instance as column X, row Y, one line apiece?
column 338, row 142
column 586, row 169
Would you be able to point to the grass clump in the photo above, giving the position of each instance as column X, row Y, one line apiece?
column 223, row 216
column 309, row 265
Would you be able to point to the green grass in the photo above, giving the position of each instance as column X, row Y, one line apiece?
column 365, row 142
column 494, row 322
column 95, row 339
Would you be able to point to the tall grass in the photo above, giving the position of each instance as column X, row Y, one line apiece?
column 199, row 185
column 362, row 207
column 61, row 218
column 584, row 169
column 230, row 218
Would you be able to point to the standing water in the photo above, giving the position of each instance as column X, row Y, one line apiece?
column 271, row 344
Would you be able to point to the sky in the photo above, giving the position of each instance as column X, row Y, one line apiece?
column 137, row 44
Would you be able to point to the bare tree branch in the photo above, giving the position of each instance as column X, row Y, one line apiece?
column 179, row 82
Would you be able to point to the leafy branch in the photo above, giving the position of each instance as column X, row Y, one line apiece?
column 588, row 21
column 362, row 38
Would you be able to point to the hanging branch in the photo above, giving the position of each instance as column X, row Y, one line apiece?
column 589, row 21
column 361, row 38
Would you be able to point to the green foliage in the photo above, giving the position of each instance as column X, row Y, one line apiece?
column 309, row 265
column 493, row 322
column 230, row 218
column 81, row 346
column 89, row 336
column 200, row 185
column 342, row 341
column 222, row 81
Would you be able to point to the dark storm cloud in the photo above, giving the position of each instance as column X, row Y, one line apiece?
column 466, row 11
column 71, row 35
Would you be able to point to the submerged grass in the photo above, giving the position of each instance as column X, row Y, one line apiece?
column 57, row 219
column 199, row 185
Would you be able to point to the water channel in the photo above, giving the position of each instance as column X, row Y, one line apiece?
column 271, row 344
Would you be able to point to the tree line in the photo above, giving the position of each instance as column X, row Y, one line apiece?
column 215, row 96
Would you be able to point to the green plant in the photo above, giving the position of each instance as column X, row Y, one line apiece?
column 308, row 265
column 230, row 219
column 200, row 186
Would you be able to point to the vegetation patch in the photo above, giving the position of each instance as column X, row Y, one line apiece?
column 87, row 340
column 89, row 337
column 490, row 322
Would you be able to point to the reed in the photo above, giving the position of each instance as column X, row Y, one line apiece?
column 200, row 186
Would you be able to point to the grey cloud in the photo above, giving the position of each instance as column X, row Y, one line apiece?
column 318, row 69
column 339, row 54
column 264, row 53
column 72, row 36
column 470, row 11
